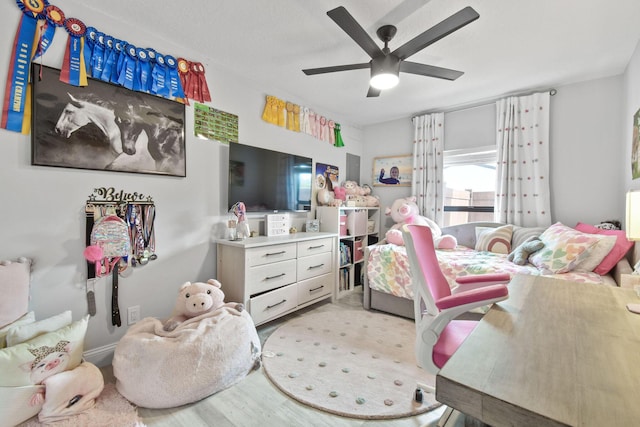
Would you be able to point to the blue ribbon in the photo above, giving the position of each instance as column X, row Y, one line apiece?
column 118, row 48
column 127, row 76
column 89, row 44
column 45, row 39
column 172, row 76
column 158, row 76
column 110, row 58
column 143, row 69
column 97, row 56
column 18, row 78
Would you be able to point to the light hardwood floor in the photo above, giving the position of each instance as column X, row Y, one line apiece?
column 255, row 402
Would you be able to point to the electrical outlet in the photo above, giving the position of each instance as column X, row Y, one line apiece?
column 133, row 314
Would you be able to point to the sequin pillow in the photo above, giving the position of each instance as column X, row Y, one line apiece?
column 564, row 248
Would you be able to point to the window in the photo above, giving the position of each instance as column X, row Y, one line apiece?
column 469, row 185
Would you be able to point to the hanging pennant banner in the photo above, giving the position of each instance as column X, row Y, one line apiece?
column 74, row 70
column 54, row 19
column 15, row 106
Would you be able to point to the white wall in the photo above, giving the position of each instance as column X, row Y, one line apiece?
column 588, row 164
column 42, row 208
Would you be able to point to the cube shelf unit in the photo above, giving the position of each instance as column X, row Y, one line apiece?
column 357, row 227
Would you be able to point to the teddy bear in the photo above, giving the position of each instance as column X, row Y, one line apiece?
column 405, row 211
column 198, row 298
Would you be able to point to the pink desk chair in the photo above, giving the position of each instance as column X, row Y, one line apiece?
column 438, row 334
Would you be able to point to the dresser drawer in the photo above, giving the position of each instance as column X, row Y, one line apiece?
column 273, row 304
column 312, row 247
column 316, row 287
column 315, row 265
column 270, row 276
column 269, row 254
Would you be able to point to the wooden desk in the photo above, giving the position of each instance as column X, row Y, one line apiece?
column 555, row 353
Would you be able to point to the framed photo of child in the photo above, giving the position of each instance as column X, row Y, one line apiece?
column 392, row 171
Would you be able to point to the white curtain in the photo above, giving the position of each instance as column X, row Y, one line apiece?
column 522, row 188
column 428, row 146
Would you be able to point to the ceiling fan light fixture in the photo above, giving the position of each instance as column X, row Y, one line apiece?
column 385, row 71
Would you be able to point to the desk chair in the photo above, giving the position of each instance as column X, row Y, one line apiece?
column 438, row 335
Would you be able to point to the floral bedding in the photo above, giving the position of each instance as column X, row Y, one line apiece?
column 388, row 268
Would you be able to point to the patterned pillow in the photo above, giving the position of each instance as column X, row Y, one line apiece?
column 524, row 234
column 564, row 248
column 24, row 364
column 496, row 240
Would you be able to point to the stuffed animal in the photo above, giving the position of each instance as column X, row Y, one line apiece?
column 520, row 255
column 405, row 211
column 198, row 298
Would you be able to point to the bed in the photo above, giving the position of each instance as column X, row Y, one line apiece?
column 387, row 277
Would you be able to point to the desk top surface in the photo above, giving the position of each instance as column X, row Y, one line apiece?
column 555, row 353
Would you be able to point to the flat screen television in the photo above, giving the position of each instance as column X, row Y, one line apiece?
column 269, row 181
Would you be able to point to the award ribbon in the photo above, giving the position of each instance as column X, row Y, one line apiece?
column 119, row 60
column 54, row 19
column 185, row 77
column 203, row 89
column 175, row 86
column 143, row 69
column 91, row 35
column 158, row 76
column 128, row 76
column 74, row 70
column 17, row 90
column 97, row 56
column 110, row 58
column 338, row 136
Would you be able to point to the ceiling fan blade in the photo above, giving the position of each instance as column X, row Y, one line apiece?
column 349, row 25
column 438, row 31
column 429, row 70
column 323, row 70
column 373, row 92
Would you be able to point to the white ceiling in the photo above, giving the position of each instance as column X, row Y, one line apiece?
column 515, row 46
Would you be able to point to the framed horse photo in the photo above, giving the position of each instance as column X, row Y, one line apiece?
column 105, row 127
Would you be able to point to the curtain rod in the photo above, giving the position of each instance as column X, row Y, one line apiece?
column 482, row 103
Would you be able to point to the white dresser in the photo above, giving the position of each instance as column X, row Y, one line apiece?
column 273, row 276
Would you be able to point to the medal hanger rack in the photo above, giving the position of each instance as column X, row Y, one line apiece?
column 137, row 210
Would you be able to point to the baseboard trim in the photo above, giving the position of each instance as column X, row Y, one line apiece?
column 100, row 356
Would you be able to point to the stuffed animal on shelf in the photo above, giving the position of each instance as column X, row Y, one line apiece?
column 405, row 211
column 520, row 255
column 195, row 299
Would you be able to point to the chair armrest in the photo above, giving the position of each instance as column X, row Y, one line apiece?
column 482, row 294
column 474, row 281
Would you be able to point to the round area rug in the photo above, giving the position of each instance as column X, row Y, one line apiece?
column 352, row 363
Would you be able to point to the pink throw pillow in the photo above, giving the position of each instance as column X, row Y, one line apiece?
column 618, row 252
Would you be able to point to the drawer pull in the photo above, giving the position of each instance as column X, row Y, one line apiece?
column 315, row 266
column 277, row 304
column 275, row 277
column 315, row 247
column 316, row 289
column 275, row 253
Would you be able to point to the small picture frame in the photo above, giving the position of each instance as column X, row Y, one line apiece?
column 312, row 226
column 392, row 171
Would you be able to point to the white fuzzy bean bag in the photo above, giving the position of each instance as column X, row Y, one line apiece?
column 206, row 354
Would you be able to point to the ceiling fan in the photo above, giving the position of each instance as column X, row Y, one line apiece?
column 386, row 65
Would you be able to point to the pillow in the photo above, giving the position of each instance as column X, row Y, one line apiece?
column 618, row 252
column 65, row 346
column 525, row 234
column 30, row 317
column 597, row 254
column 14, row 288
column 496, row 240
column 564, row 248
column 22, row 333
column 14, row 404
